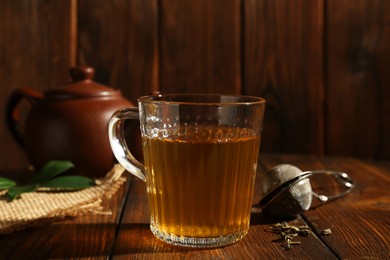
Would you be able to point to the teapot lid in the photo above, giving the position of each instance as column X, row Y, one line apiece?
column 81, row 86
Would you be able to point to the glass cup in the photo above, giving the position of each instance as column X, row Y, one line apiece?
column 200, row 159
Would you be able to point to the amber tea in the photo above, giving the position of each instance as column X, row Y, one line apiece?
column 200, row 159
column 201, row 188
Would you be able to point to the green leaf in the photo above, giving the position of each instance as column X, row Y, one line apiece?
column 70, row 182
column 14, row 192
column 50, row 170
column 44, row 178
column 6, row 183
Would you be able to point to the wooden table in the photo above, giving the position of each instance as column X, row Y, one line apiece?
column 360, row 224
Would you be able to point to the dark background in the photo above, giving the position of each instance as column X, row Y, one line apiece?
column 322, row 65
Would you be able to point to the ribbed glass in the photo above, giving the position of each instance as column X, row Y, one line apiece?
column 201, row 188
column 200, row 160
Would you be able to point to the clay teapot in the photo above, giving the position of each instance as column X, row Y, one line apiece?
column 70, row 122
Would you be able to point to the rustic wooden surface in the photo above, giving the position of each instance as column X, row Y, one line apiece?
column 120, row 39
column 358, row 111
column 90, row 237
column 282, row 39
column 200, row 49
column 37, row 46
column 322, row 65
column 359, row 223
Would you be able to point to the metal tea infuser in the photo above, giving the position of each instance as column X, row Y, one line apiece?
column 288, row 191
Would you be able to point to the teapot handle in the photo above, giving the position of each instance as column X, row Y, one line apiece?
column 12, row 110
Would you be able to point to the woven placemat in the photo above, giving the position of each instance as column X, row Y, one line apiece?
column 39, row 208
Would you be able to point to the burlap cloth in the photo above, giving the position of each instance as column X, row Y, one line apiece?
column 42, row 207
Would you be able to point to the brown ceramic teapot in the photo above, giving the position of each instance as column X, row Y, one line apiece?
column 69, row 123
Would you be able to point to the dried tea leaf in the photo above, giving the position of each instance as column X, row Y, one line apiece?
column 287, row 233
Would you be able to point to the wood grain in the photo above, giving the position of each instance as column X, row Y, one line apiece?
column 359, row 224
column 283, row 62
column 85, row 237
column 135, row 239
column 119, row 39
column 200, row 46
column 357, row 107
column 363, row 232
column 322, row 65
column 360, row 221
column 36, row 43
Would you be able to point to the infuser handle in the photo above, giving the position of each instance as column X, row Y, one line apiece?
column 116, row 134
column 342, row 177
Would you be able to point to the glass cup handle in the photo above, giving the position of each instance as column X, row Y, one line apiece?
column 116, row 130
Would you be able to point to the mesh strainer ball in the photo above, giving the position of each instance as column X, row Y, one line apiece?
column 287, row 191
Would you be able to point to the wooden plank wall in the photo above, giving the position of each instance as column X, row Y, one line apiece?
column 322, row 65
